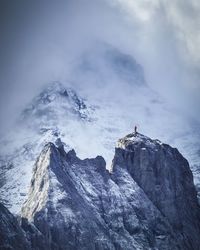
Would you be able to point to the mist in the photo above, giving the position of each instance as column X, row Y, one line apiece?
column 43, row 41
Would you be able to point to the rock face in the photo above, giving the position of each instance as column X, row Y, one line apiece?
column 147, row 202
column 164, row 175
column 12, row 236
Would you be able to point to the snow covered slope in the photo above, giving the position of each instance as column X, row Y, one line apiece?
column 113, row 97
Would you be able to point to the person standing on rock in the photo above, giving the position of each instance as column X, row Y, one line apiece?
column 135, row 130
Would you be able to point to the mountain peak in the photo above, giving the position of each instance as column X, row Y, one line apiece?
column 132, row 139
column 54, row 102
column 52, row 92
column 165, row 176
column 55, row 86
column 41, row 180
column 66, row 191
column 147, row 202
column 56, row 90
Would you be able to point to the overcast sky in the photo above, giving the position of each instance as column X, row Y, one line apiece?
column 39, row 40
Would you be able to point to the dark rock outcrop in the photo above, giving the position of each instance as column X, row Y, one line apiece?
column 12, row 236
column 164, row 175
column 78, row 204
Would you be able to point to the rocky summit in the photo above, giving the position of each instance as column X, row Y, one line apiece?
column 165, row 176
column 147, row 201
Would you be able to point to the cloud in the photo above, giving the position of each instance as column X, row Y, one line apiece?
column 168, row 45
column 41, row 40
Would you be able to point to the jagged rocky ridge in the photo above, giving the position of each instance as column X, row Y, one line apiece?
column 148, row 201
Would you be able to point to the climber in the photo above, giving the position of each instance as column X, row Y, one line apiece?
column 135, row 130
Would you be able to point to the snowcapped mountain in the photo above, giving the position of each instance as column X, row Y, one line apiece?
column 42, row 121
column 147, row 201
column 78, row 204
column 92, row 120
column 54, row 101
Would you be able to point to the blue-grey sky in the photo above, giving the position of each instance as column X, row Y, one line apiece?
column 41, row 39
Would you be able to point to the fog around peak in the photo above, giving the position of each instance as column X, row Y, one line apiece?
column 44, row 41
